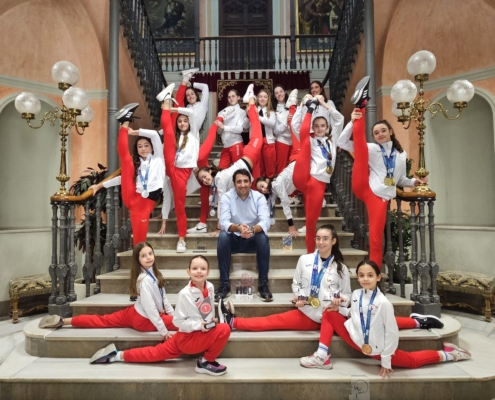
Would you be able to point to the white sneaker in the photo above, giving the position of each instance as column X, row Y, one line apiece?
column 324, row 204
column 166, row 93
column 302, row 230
column 226, row 112
column 292, row 100
column 181, row 246
column 458, row 353
column 249, row 93
column 199, row 228
column 313, row 361
column 187, row 74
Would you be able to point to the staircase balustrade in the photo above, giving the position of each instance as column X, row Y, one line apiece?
column 137, row 29
column 63, row 268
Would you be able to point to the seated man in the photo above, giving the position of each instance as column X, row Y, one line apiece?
column 244, row 221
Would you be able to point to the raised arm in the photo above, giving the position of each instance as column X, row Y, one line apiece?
column 202, row 108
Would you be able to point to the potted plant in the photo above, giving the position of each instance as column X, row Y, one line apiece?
column 90, row 177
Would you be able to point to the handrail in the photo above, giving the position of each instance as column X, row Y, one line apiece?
column 88, row 193
column 303, row 36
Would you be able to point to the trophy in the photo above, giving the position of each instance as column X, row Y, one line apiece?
column 199, row 247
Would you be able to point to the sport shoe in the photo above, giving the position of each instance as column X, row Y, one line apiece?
column 427, row 321
column 264, row 292
column 51, row 321
column 104, row 355
column 126, row 113
column 249, row 93
column 210, row 368
column 292, row 100
column 166, row 93
column 225, row 313
column 324, row 203
column 226, row 112
column 181, row 246
column 199, row 228
column 313, row 361
column 187, row 74
column 223, row 291
column 361, row 94
column 458, row 353
column 302, row 230
column 312, row 105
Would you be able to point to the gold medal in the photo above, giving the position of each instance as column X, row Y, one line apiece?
column 315, row 303
column 389, row 181
column 310, row 299
column 329, row 170
column 366, row 348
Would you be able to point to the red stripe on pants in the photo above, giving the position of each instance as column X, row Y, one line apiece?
column 204, row 153
column 178, row 176
column 126, row 318
column 211, row 342
column 230, row 155
column 313, row 190
column 376, row 206
column 414, row 359
column 283, row 152
column 293, row 319
column 139, row 207
column 268, row 160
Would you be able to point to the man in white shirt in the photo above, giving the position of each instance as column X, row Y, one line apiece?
column 244, row 221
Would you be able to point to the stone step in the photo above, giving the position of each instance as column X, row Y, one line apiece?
column 193, row 198
column 69, row 342
column 104, row 303
column 170, row 259
column 169, row 241
column 27, row 377
column 280, row 280
column 279, row 226
column 193, row 211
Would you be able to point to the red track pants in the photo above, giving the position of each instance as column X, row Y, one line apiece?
column 230, row 155
column 296, row 145
column 313, row 190
column 290, row 320
column 253, row 149
column 211, row 342
column 268, row 160
column 401, row 358
column 139, row 207
column 178, row 176
column 126, row 318
column 376, row 206
column 204, row 153
column 283, row 152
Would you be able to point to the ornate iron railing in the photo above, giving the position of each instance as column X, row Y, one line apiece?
column 345, row 50
column 143, row 50
column 63, row 268
column 221, row 53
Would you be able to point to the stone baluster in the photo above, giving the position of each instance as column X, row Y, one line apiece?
column 72, row 253
column 108, row 248
column 389, row 254
column 52, row 269
column 413, row 264
column 87, row 270
column 98, row 255
column 124, row 232
column 423, row 266
column 62, row 267
column 116, row 236
column 129, row 229
column 434, row 268
column 401, row 262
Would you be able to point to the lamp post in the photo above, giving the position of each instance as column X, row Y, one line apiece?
column 75, row 112
column 407, row 107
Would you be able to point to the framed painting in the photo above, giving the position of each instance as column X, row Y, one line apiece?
column 317, row 17
column 172, row 19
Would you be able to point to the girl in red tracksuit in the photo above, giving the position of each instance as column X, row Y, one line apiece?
column 372, row 182
column 180, row 159
column 316, row 161
column 198, row 332
column 151, row 312
column 369, row 326
column 268, row 119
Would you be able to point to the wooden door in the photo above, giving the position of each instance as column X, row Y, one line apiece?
column 241, row 18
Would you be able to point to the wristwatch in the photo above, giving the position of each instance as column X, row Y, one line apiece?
column 252, row 230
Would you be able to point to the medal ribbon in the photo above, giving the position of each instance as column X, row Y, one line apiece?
column 160, row 289
column 389, row 161
column 213, row 195
column 327, row 153
column 316, row 277
column 366, row 329
column 144, row 180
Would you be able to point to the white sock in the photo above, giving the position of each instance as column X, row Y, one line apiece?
column 446, row 356
column 118, row 357
column 322, row 351
column 417, row 323
column 203, row 360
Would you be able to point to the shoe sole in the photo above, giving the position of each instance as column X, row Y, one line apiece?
column 359, row 90
column 50, row 321
column 168, row 90
column 230, row 307
column 455, row 347
column 124, row 110
column 327, row 367
column 181, row 250
column 220, row 313
column 197, row 231
column 106, row 352
column 205, row 371
column 428, row 316
column 265, row 300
